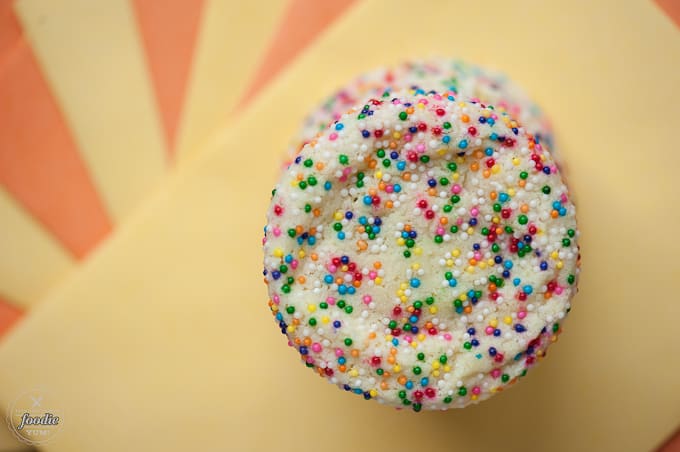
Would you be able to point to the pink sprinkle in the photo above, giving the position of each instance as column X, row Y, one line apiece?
column 456, row 189
column 367, row 299
column 488, row 330
column 559, row 290
column 521, row 314
column 478, row 256
column 316, row 347
column 437, row 97
column 408, row 137
column 372, row 274
column 447, row 336
column 331, row 268
column 276, row 299
column 389, row 188
column 339, row 352
column 476, row 390
column 474, row 211
column 496, row 373
column 459, row 221
column 330, row 300
column 420, row 148
column 277, row 232
column 440, row 231
column 408, row 339
column 333, row 136
column 294, row 264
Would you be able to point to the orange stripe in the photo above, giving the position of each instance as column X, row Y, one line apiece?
column 303, row 21
column 672, row 8
column 39, row 161
column 9, row 316
column 169, row 29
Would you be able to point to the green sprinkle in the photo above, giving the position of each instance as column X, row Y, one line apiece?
column 545, row 190
column 403, row 116
column 290, row 309
column 312, row 321
column 348, row 341
column 343, row 159
column 308, row 163
column 462, row 391
column 417, row 370
column 522, row 219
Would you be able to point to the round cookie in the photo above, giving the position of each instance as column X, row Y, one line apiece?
column 422, row 251
column 418, row 77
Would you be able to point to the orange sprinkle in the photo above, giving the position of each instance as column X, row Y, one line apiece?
column 372, row 164
column 522, row 183
column 302, row 279
column 393, row 145
column 314, row 256
column 524, row 208
column 443, row 220
column 465, row 118
column 356, row 284
column 402, row 380
column 493, row 195
column 300, row 176
column 479, row 154
column 547, row 295
column 377, row 264
column 362, row 245
column 407, row 228
column 554, row 214
column 410, row 110
column 384, row 386
column 371, row 335
column 467, row 309
column 391, row 360
column 320, row 165
column 474, row 166
column 372, row 191
column 473, row 261
column 486, row 174
column 342, row 368
column 298, row 229
column 316, row 212
column 406, row 176
column 308, row 340
column 312, row 231
column 432, row 192
column 389, row 204
column 354, row 352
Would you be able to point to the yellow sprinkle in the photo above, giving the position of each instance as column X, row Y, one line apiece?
column 325, row 319
column 400, row 241
column 493, row 323
column 455, row 253
column 373, row 392
column 396, row 135
column 353, row 373
column 291, row 328
column 278, row 252
column 511, row 191
column 473, row 397
column 435, row 373
column 433, row 309
column 490, row 262
column 554, row 255
column 449, row 262
column 421, row 337
column 482, row 265
column 559, row 265
column 515, row 161
column 456, row 176
column 462, row 297
column 470, row 269
column 496, row 169
column 403, row 298
column 435, row 365
column 337, row 216
column 403, row 286
column 447, row 368
column 441, row 151
column 396, row 368
column 414, row 344
column 378, row 174
column 301, row 254
column 415, row 266
column 378, row 280
column 507, row 320
column 311, row 307
column 418, row 251
column 495, row 220
column 470, row 230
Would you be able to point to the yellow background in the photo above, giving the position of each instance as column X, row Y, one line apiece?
column 163, row 340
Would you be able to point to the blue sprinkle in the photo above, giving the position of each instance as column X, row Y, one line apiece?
column 342, row 289
column 288, row 259
column 520, row 328
column 415, row 282
column 349, row 215
column 339, row 126
column 342, row 360
column 488, row 152
column 527, row 289
column 351, row 290
column 508, row 264
column 516, row 281
column 453, row 282
column 503, row 197
column 368, row 200
column 446, row 139
column 341, row 235
column 327, row 185
column 409, row 384
column 328, row 279
column 365, row 133
column 397, row 188
column 424, row 381
column 401, row 165
column 462, row 144
column 303, row 350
